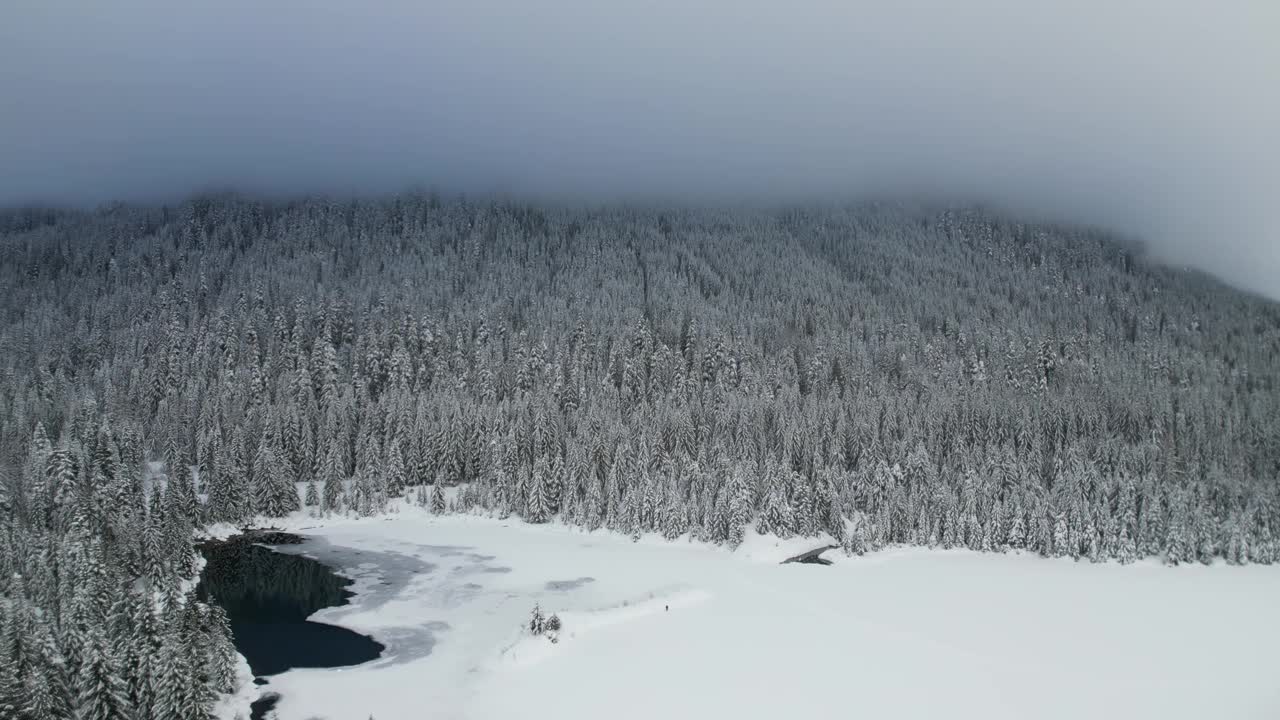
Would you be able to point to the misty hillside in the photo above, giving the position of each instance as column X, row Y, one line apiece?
column 882, row 374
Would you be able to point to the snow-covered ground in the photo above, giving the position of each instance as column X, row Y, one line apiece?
column 654, row 629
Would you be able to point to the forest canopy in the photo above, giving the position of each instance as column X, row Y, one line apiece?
column 883, row 373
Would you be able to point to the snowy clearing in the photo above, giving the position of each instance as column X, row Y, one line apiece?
column 658, row 629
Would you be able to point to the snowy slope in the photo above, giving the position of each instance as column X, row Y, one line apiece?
column 656, row 629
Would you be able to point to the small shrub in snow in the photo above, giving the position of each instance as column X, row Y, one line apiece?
column 537, row 623
column 545, row 626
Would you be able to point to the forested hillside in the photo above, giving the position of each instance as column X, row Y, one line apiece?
column 883, row 373
column 880, row 373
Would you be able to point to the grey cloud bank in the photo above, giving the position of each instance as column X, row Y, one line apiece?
column 1156, row 118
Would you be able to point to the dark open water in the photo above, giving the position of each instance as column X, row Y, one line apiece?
column 268, row 597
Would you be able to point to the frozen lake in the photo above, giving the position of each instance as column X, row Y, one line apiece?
column 658, row 629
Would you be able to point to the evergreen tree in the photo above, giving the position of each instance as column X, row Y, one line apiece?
column 739, row 503
column 775, row 517
column 332, row 475
column 437, row 499
column 101, row 691
column 538, row 505
column 396, row 475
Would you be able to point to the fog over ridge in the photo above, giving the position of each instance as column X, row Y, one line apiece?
column 1156, row 118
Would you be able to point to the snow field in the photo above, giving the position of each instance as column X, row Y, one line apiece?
column 902, row 634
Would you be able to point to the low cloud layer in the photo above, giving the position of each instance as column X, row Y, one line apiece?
column 1156, row 118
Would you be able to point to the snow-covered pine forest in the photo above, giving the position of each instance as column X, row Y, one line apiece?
column 882, row 373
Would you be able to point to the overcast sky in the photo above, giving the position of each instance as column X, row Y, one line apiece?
column 1160, row 118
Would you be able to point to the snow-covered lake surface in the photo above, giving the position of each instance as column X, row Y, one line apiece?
column 675, row 630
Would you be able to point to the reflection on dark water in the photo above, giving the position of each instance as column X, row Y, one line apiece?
column 259, row 708
column 268, row 597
